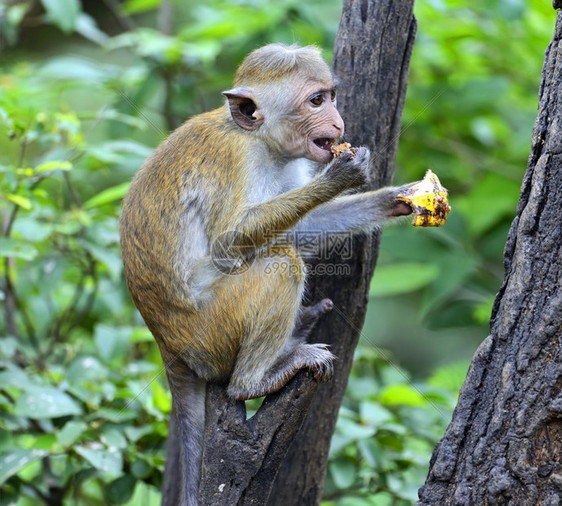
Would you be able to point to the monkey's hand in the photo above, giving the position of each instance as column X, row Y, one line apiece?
column 397, row 206
column 348, row 170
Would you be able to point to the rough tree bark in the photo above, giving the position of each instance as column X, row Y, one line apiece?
column 246, row 461
column 504, row 443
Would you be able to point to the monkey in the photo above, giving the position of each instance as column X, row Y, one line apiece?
column 239, row 177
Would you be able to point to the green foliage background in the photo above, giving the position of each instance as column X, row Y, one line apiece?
column 88, row 89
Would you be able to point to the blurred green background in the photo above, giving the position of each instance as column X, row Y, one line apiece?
column 89, row 88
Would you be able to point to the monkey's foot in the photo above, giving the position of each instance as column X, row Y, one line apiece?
column 318, row 309
column 309, row 316
column 314, row 357
column 322, row 367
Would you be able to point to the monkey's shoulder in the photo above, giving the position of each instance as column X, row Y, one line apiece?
column 207, row 144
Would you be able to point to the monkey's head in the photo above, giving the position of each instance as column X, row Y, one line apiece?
column 286, row 96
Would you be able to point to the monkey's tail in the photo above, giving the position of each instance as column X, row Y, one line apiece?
column 188, row 394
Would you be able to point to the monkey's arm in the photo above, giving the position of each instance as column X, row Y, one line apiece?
column 356, row 213
column 258, row 225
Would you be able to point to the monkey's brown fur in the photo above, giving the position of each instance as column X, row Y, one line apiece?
column 208, row 333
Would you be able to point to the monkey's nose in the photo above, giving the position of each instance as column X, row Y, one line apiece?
column 337, row 123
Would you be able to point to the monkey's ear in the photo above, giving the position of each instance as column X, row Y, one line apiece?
column 243, row 109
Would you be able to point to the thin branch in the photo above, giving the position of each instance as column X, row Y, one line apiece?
column 166, row 27
column 72, row 309
column 29, row 327
column 9, row 300
column 73, row 193
column 91, row 272
column 166, row 17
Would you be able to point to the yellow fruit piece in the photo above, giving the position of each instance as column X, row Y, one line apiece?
column 339, row 149
column 428, row 200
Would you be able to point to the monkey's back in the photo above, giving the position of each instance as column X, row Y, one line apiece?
column 183, row 196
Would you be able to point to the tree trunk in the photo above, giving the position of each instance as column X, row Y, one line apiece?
column 371, row 58
column 246, row 461
column 504, row 443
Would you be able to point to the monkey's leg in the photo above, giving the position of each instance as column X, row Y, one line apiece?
column 268, row 356
column 309, row 316
column 303, row 356
column 243, row 326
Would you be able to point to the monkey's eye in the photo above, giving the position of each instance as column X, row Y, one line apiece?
column 333, row 95
column 317, row 100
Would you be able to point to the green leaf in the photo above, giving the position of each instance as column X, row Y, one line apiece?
column 402, row 277
column 47, row 442
column 12, row 248
column 62, row 13
column 135, row 433
column 137, row 6
column 483, row 131
column 145, row 494
column 87, row 27
column 109, row 461
column 352, row 430
column 86, row 369
column 371, row 451
column 141, row 469
column 403, row 395
column 354, row 501
column 109, row 257
column 9, row 346
column 121, row 490
column 46, row 402
column 112, row 342
column 343, row 473
column 72, row 430
column 161, row 397
column 31, row 230
column 54, row 165
column 382, row 499
column 491, row 200
column 16, row 13
column 141, row 335
column 107, row 196
column 19, row 200
column 454, row 271
column 17, row 459
column 373, row 413
column 114, row 415
column 13, row 376
column 450, row 376
column 113, row 437
column 483, row 310
column 77, row 67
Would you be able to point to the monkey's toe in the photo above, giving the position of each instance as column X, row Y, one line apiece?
column 323, row 374
column 322, row 368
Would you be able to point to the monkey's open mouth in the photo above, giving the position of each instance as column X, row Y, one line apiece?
column 324, row 143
